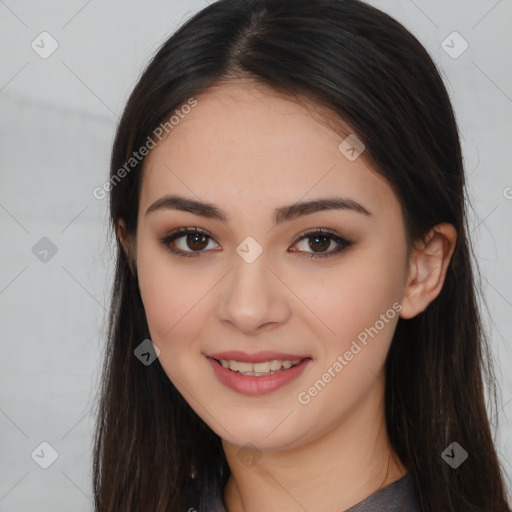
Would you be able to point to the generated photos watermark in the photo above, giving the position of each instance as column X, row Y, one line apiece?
column 305, row 397
column 139, row 155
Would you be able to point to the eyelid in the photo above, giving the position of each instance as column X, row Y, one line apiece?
column 342, row 242
column 181, row 232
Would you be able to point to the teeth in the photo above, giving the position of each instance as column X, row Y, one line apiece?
column 258, row 369
column 275, row 365
column 261, row 367
column 241, row 367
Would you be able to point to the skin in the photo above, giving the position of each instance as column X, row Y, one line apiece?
column 250, row 150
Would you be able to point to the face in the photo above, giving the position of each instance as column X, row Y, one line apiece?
column 258, row 281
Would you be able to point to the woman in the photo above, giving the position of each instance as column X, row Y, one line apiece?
column 293, row 323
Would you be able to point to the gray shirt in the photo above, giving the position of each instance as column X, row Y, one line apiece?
column 399, row 496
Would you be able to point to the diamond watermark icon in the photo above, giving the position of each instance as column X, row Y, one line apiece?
column 249, row 250
column 351, row 147
column 249, row 455
column 44, row 455
column 454, row 45
column 44, row 45
column 44, row 250
column 146, row 352
column 454, row 455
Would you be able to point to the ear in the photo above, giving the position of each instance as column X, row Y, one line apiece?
column 127, row 243
column 427, row 269
column 121, row 235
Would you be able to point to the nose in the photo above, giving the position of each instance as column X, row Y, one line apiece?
column 252, row 298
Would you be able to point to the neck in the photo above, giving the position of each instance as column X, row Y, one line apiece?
column 348, row 463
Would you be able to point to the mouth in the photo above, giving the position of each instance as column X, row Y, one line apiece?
column 257, row 374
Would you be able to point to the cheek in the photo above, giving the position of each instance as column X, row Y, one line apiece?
column 360, row 302
column 353, row 295
column 171, row 296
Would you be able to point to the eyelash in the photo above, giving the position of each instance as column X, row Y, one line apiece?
column 343, row 243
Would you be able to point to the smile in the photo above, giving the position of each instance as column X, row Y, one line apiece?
column 257, row 378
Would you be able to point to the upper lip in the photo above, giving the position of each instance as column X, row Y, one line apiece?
column 258, row 357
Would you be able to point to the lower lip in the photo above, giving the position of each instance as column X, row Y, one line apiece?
column 256, row 385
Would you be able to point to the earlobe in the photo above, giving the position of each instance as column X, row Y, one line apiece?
column 427, row 269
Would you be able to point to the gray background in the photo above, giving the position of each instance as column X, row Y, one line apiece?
column 58, row 117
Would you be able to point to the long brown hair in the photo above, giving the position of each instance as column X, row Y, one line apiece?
column 152, row 452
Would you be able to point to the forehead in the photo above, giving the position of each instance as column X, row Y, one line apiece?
column 252, row 146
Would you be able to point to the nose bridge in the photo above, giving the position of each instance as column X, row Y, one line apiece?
column 252, row 296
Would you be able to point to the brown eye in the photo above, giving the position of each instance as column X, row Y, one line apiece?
column 193, row 242
column 187, row 241
column 320, row 241
column 196, row 241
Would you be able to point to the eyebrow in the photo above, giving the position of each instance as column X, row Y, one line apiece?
column 281, row 215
